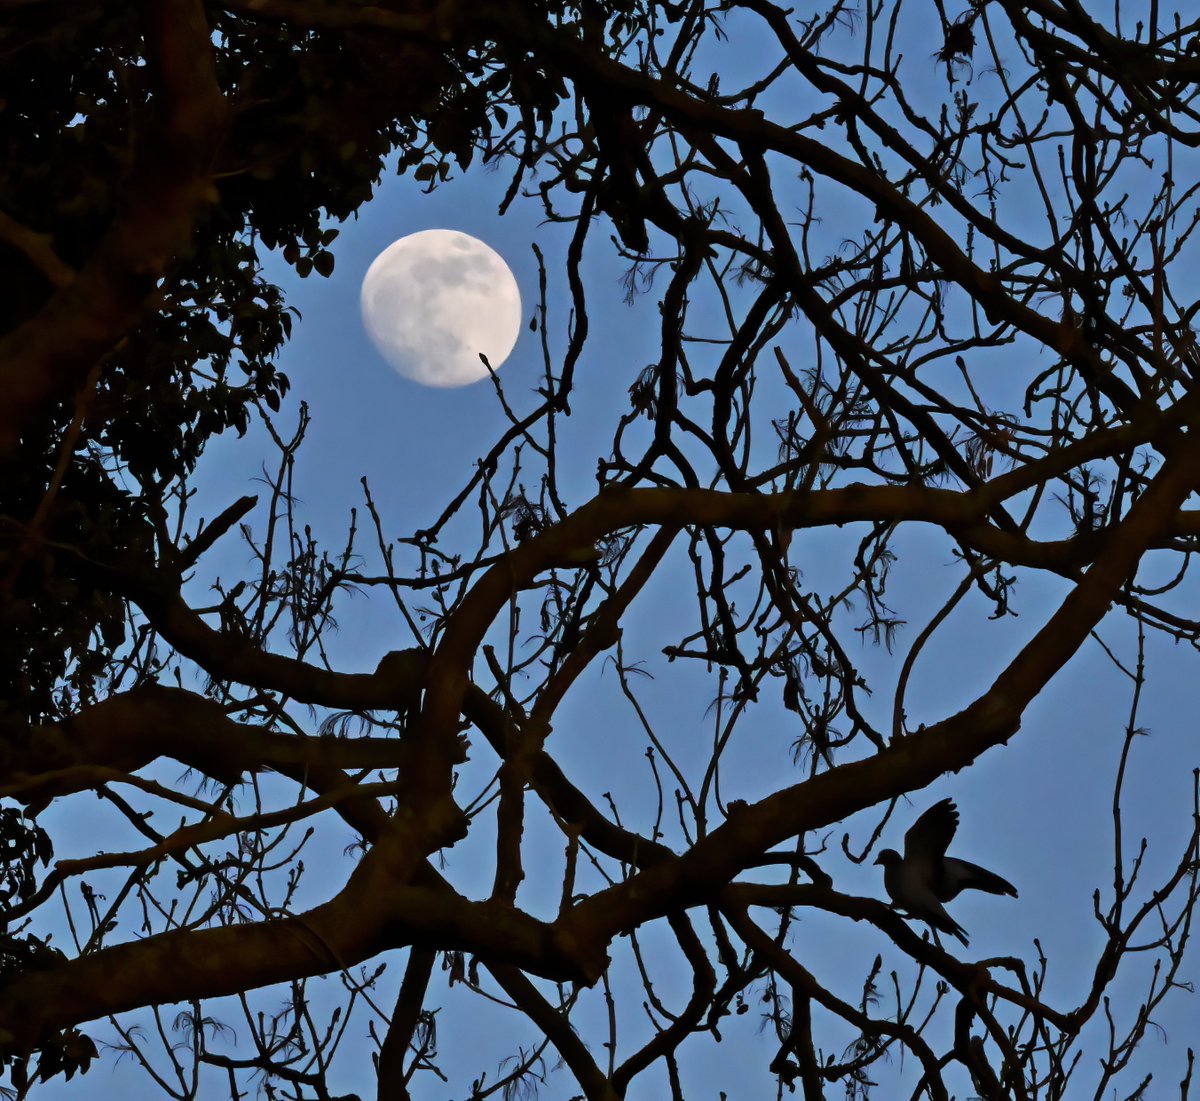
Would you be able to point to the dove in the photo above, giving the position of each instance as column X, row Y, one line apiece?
column 925, row 877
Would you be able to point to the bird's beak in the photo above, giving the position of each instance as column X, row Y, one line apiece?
column 878, row 860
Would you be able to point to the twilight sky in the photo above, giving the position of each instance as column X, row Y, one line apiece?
column 1038, row 811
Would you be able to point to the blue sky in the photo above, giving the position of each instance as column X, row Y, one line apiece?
column 1036, row 811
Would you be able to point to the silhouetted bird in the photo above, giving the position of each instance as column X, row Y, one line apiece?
column 925, row 877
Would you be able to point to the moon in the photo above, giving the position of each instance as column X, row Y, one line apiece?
column 434, row 300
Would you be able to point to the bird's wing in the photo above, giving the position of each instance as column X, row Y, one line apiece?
column 930, row 835
column 962, row 875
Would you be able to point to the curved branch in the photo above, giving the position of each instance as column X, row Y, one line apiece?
column 913, row 762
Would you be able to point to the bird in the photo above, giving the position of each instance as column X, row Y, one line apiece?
column 925, row 877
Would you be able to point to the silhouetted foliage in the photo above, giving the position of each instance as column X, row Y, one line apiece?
column 917, row 266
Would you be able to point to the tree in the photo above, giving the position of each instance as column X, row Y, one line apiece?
column 925, row 269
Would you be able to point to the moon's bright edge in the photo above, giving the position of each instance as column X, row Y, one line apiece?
column 434, row 300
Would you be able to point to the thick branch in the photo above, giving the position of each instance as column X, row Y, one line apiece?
column 46, row 359
column 130, row 730
column 914, row 762
column 375, row 911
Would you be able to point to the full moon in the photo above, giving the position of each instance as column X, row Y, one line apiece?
column 433, row 301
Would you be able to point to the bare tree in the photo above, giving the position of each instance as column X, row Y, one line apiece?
column 924, row 268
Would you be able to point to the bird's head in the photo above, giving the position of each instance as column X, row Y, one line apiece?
column 888, row 858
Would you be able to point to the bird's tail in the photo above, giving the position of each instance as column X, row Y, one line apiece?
column 959, row 932
column 945, row 923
